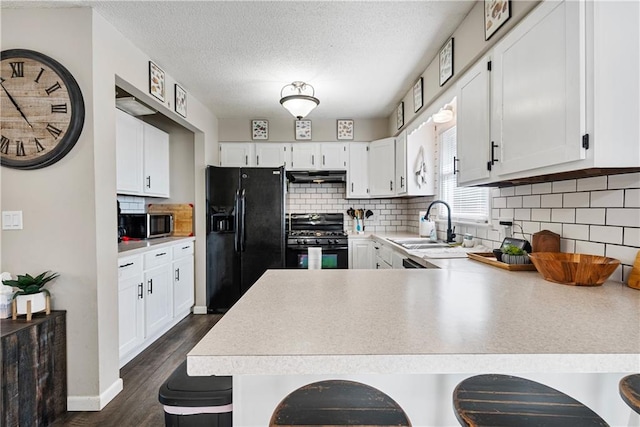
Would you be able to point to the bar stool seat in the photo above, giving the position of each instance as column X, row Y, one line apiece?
column 629, row 388
column 504, row 400
column 338, row 403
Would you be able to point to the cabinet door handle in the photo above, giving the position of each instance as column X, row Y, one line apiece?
column 323, row 163
column 402, row 182
column 140, row 291
column 391, row 185
column 257, row 160
column 455, row 162
column 313, row 159
column 177, row 276
column 352, row 187
column 125, row 265
column 149, row 181
column 493, row 153
column 150, row 286
column 246, row 160
column 377, row 265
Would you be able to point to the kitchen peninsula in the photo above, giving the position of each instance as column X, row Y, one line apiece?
column 416, row 333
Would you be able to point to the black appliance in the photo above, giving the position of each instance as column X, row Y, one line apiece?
column 323, row 230
column 146, row 225
column 245, row 230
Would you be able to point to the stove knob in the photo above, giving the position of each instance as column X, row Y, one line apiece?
column 300, row 241
column 317, row 241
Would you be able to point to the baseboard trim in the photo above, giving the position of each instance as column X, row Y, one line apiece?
column 199, row 309
column 94, row 403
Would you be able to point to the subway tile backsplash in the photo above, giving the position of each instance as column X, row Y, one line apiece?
column 132, row 204
column 595, row 215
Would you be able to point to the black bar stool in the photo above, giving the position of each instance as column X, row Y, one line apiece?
column 338, row 403
column 504, row 400
column 629, row 388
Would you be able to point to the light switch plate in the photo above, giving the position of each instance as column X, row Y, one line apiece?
column 12, row 220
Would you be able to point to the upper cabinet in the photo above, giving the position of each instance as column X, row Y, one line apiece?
column 237, row 154
column 538, row 91
column 273, row 154
column 142, row 158
column 401, row 164
column 551, row 96
column 358, row 170
column 319, row 155
column 382, row 167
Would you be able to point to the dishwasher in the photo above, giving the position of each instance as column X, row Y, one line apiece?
column 409, row 263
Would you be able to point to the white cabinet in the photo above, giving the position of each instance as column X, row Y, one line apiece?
column 361, row 254
column 142, row 158
column 319, row 155
column 401, row 163
column 158, row 297
column 383, row 255
column 130, row 304
column 382, row 167
column 473, row 138
column 155, row 291
column 273, row 154
column 183, row 279
column 538, row 91
column 358, row 170
column 236, row 154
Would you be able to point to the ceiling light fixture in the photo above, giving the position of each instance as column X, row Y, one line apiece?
column 299, row 98
column 134, row 107
column 444, row 115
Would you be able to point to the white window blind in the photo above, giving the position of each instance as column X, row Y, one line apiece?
column 467, row 203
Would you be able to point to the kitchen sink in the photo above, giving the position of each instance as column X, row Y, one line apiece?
column 419, row 243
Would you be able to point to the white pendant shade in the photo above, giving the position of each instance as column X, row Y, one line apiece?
column 301, row 100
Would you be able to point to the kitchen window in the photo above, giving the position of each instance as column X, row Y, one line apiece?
column 468, row 204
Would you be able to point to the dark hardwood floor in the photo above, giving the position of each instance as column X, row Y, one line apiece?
column 137, row 404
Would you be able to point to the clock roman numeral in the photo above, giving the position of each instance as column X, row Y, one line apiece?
column 20, row 149
column 39, row 147
column 1, row 80
column 54, row 131
column 4, row 145
column 37, row 80
column 59, row 108
column 17, row 69
column 53, row 88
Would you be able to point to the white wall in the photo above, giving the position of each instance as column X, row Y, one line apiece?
column 69, row 207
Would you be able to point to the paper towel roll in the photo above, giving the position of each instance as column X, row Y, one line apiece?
column 315, row 258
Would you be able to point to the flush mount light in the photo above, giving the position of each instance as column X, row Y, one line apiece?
column 444, row 115
column 134, row 107
column 299, row 98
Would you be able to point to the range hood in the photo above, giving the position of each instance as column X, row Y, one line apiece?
column 317, row 176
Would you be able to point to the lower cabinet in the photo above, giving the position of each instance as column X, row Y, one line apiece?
column 155, row 291
column 360, row 254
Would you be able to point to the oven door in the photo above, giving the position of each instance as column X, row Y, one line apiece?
column 332, row 257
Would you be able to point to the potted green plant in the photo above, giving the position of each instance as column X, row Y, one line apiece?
column 31, row 289
column 514, row 255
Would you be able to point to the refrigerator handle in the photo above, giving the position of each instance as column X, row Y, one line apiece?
column 243, row 201
column 236, row 221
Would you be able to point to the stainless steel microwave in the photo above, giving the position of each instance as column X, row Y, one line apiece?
column 147, row 225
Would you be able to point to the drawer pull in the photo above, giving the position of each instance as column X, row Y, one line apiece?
column 161, row 254
column 186, row 247
column 140, row 290
column 125, row 265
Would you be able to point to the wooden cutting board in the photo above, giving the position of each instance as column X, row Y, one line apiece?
column 634, row 277
column 182, row 216
column 545, row 241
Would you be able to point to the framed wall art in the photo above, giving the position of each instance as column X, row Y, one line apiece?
column 156, row 81
column 496, row 13
column 400, row 115
column 417, row 95
column 446, row 61
column 345, row 129
column 181, row 101
column 259, row 129
column 303, row 129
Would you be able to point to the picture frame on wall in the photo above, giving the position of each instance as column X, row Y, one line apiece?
column 400, row 115
column 259, row 129
column 303, row 130
column 446, row 61
column 180, row 105
column 496, row 13
column 345, row 129
column 156, row 81
column 417, row 95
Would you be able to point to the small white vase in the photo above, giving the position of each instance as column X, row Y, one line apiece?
column 38, row 302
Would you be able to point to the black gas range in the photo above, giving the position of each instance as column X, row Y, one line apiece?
column 317, row 230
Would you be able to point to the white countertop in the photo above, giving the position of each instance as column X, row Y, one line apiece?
column 133, row 247
column 467, row 318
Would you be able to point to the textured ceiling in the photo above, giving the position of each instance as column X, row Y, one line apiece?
column 235, row 56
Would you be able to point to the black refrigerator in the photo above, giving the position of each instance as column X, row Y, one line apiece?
column 245, row 230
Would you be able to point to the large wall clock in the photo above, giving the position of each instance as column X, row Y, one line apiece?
column 42, row 110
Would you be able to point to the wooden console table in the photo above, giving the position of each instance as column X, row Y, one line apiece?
column 34, row 370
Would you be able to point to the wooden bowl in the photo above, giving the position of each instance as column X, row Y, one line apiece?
column 574, row 269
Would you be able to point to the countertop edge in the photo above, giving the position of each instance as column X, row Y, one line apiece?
column 140, row 246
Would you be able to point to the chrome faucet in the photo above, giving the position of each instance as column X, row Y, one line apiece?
column 450, row 232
